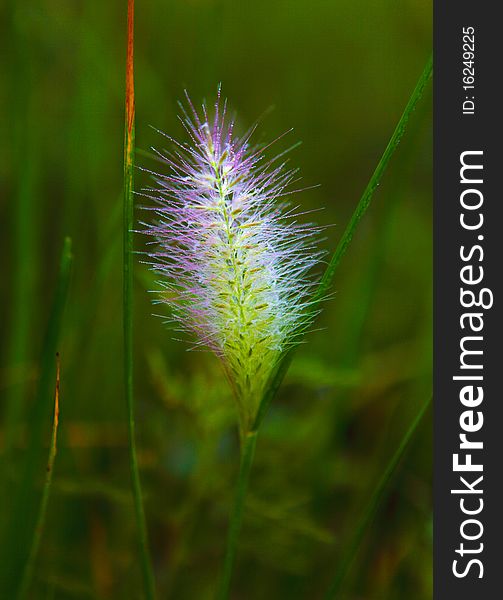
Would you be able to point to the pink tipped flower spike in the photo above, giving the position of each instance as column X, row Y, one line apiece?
column 235, row 265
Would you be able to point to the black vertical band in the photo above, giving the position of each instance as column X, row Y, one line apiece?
column 468, row 161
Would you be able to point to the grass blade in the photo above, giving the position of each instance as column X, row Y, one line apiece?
column 39, row 527
column 284, row 362
column 328, row 276
column 129, row 137
column 19, row 534
column 376, row 498
column 372, row 185
column 246, row 461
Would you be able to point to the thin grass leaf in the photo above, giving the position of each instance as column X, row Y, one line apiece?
column 39, row 527
column 352, row 330
column 364, row 202
column 128, row 226
column 362, row 206
column 377, row 497
column 19, row 535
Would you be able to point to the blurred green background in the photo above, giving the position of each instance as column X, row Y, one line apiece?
column 340, row 73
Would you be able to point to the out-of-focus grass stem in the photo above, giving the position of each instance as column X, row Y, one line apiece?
column 20, row 530
column 25, row 167
column 379, row 493
column 129, row 140
column 39, row 527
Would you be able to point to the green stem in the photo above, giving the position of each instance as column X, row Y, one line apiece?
column 378, row 495
column 129, row 137
column 247, row 452
column 326, row 281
